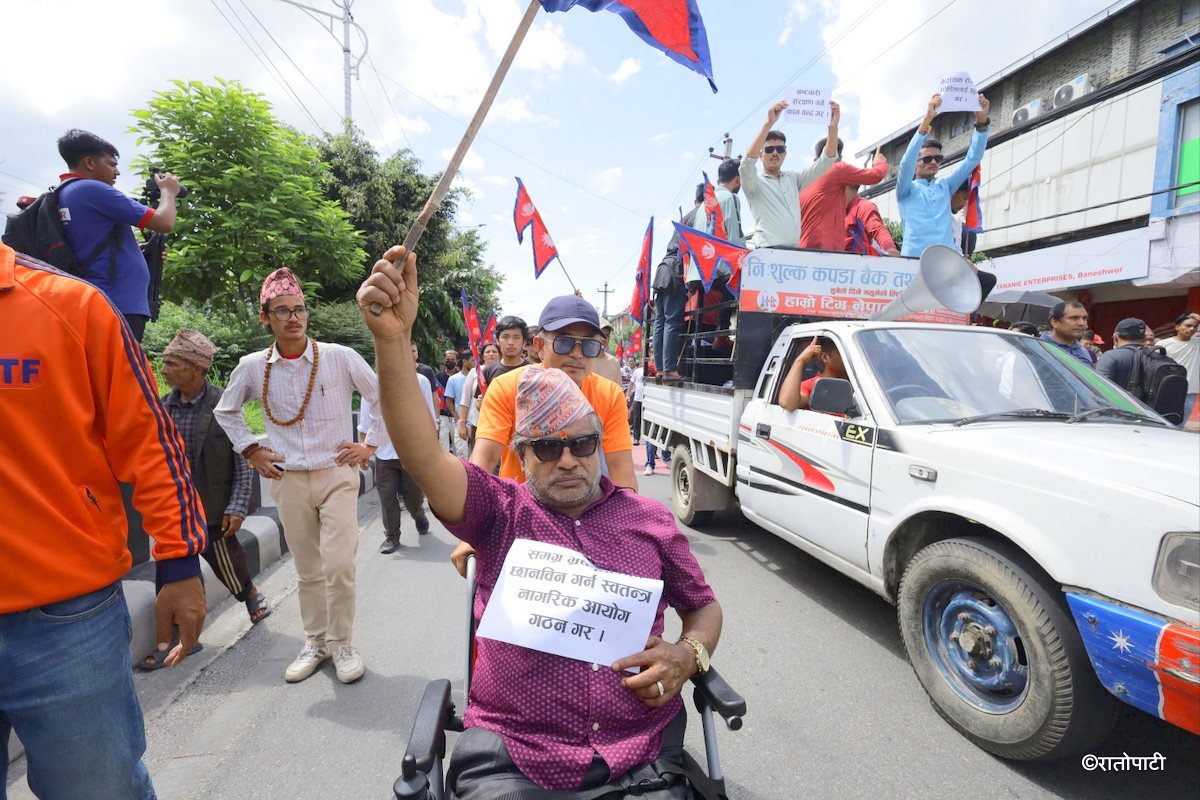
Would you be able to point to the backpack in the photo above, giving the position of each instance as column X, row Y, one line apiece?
column 37, row 231
column 1159, row 381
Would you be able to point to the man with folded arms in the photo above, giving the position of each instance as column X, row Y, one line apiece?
column 535, row 719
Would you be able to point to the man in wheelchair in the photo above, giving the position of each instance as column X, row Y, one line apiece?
column 537, row 720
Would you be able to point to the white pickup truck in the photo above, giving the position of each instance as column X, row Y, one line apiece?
column 1037, row 527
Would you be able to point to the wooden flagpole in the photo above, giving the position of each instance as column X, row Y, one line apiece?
column 443, row 185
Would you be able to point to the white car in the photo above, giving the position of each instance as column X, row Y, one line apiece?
column 1037, row 527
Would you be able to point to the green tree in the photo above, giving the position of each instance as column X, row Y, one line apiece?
column 383, row 198
column 896, row 229
column 255, row 201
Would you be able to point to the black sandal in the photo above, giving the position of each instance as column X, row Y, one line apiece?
column 256, row 605
column 156, row 660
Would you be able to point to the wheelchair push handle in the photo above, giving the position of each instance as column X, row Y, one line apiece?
column 715, row 692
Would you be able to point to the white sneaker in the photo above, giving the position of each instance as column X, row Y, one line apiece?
column 349, row 664
column 649, row 470
column 306, row 663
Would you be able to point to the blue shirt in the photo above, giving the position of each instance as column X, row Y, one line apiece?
column 454, row 389
column 925, row 205
column 1075, row 348
column 90, row 209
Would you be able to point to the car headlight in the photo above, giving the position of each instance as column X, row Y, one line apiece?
column 1177, row 571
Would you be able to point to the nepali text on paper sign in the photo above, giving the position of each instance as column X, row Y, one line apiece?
column 807, row 105
column 958, row 93
column 554, row 600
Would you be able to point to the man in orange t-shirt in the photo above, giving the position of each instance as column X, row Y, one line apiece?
column 569, row 338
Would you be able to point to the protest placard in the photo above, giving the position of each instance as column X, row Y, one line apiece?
column 958, row 93
column 807, row 105
column 554, row 600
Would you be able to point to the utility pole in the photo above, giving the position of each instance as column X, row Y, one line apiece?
column 606, row 292
column 347, row 19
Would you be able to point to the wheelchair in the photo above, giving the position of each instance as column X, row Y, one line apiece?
column 422, row 768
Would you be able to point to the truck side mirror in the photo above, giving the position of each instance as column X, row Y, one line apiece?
column 833, row 396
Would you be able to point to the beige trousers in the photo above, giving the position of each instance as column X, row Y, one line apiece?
column 319, row 511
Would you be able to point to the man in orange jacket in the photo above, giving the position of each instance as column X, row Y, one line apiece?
column 72, row 374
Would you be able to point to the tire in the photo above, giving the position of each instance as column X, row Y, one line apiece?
column 1036, row 696
column 683, row 482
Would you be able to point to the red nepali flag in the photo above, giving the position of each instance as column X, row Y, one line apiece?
column 489, row 330
column 620, row 351
column 671, row 26
column 707, row 252
column 641, row 280
column 471, row 321
column 635, row 340
column 974, row 221
column 714, row 219
column 525, row 213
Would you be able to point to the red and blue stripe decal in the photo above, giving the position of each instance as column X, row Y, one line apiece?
column 1143, row 660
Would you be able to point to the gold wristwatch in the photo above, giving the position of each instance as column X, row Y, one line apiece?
column 701, row 653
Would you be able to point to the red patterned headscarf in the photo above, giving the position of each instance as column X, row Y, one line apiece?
column 279, row 283
column 547, row 402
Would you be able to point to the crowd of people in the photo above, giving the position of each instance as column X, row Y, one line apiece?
column 535, row 438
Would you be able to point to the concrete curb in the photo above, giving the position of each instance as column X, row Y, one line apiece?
column 261, row 536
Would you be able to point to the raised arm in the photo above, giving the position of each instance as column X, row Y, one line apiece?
column 791, row 397
column 976, row 148
column 756, row 146
column 908, row 162
column 393, row 285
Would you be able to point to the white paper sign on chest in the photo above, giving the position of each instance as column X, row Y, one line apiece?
column 554, row 600
column 807, row 105
column 958, row 93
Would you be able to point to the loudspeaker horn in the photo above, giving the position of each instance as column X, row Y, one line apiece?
column 944, row 280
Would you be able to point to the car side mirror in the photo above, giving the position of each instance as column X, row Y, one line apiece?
column 833, row 396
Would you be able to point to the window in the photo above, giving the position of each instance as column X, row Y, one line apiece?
column 1187, row 169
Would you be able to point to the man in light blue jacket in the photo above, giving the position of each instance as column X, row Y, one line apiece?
column 924, row 199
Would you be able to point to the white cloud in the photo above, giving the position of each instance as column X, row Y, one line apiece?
column 687, row 155
column 606, row 181
column 799, row 12
column 625, row 70
column 659, row 138
column 473, row 162
column 499, row 180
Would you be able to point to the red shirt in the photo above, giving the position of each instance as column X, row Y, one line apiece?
column 864, row 211
column 555, row 712
column 823, row 204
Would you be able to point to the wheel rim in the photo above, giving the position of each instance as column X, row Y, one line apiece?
column 683, row 487
column 975, row 646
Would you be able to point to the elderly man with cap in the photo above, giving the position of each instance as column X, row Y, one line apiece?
column 221, row 477
column 569, row 339
column 1128, row 339
column 306, row 388
column 536, row 719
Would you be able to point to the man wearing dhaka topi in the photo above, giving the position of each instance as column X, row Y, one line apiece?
column 305, row 387
column 536, row 719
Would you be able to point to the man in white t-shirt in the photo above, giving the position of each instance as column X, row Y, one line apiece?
column 1184, row 347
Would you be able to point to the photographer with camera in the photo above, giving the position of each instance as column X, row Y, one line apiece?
column 97, row 223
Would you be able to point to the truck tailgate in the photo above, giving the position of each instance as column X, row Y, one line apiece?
column 707, row 414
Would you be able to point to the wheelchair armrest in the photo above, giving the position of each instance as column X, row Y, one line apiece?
column 428, row 738
column 714, row 691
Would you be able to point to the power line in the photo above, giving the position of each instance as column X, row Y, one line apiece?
column 896, row 44
column 388, row 97
column 22, row 180
column 246, row 44
column 370, row 110
column 1093, row 208
column 289, row 57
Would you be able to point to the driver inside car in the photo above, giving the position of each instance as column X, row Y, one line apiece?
column 795, row 391
column 536, row 720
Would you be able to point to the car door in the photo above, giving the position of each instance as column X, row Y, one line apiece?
column 805, row 472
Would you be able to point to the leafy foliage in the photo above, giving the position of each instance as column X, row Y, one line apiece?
column 256, row 199
column 384, row 198
column 896, row 229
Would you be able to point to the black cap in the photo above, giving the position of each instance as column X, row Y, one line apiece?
column 1131, row 328
column 568, row 310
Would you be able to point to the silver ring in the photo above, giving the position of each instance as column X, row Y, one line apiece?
column 661, row 690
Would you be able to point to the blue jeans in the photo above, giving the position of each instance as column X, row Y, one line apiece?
column 66, row 688
column 651, row 455
column 669, row 306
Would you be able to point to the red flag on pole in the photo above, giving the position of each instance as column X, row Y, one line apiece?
column 525, row 213
column 641, row 281
column 707, row 252
column 635, row 340
column 714, row 219
column 489, row 330
column 974, row 221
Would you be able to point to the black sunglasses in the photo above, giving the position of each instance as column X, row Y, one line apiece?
column 563, row 345
column 775, row 148
column 939, row 158
column 552, row 449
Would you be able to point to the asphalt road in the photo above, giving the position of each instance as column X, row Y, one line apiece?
column 834, row 708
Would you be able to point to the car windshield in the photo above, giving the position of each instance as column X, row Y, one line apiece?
column 956, row 375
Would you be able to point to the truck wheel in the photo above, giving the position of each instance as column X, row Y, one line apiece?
column 998, row 655
column 683, row 481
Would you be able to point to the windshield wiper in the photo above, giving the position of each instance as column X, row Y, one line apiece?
column 1116, row 412
column 1020, row 413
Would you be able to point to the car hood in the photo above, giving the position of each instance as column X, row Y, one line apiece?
column 1157, row 460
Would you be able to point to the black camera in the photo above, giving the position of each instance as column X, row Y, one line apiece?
column 151, row 192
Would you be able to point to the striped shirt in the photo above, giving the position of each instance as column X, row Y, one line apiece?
column 311, row 443
column 367, row 419
column 186, row 416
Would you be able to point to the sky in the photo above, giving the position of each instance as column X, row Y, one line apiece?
column 604, row 131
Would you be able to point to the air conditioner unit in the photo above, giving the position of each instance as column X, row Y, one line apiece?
column 1070, row 92
column 1027, row 112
